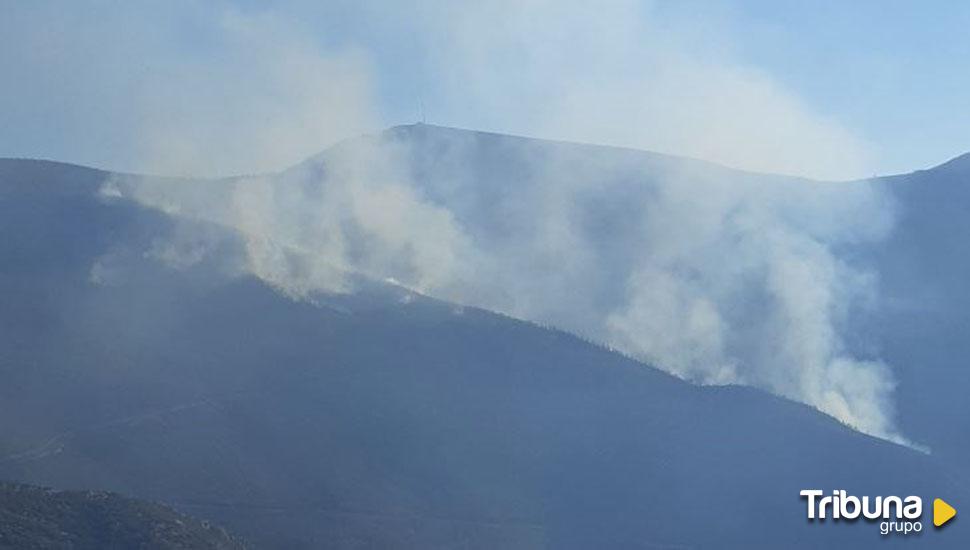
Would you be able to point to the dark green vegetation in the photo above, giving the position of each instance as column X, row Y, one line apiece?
column 39, row 518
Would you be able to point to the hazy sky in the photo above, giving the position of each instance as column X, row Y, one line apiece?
column 829, row 89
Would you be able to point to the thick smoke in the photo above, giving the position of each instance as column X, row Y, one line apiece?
column 714, row 275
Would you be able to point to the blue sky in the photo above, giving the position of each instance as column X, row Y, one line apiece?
column 825, row 89
column 896, row 71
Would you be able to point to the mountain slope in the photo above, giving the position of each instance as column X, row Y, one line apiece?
column 903, row 299
column 923, row 317
column 380, row 418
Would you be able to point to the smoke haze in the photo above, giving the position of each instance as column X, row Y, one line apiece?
column 713, row 275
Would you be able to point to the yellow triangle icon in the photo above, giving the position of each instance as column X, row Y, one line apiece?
column 942, row 512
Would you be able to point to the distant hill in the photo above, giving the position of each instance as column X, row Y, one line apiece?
column 39, row 518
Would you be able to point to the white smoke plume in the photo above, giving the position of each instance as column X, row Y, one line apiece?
column 716, row 276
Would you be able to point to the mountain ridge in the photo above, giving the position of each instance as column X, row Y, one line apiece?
column 961, row 161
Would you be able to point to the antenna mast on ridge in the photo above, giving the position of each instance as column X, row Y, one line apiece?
column 421, row 116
